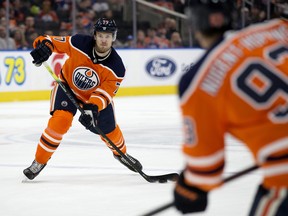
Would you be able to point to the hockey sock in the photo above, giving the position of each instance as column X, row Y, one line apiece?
column 273, row 201
column 117, row 138
column 50, row 139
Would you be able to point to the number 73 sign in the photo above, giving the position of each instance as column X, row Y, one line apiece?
column 15, row 71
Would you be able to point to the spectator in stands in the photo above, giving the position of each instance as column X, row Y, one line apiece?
column 3, row 22
column 80, row 25
column 88, row 19
column 116, row 5
column 171, row 26
column 84, row 5
column 140, row 39
column 63, row 10
column 64, row 32
column 20, row 40
column 8, row 44
column 66, row 26
column 21, row 10
column 176, row 40
column 47, row 13
column 30, row 25
column 161, row 33
column 2, row 44
column 108, row 14
column 11, row 19
column 129, row 43
column 100, row 7
column 30, row 38
column 117, row 44
column 11, row 22
column 2, row 12
column 152, row 40
column 48, row 32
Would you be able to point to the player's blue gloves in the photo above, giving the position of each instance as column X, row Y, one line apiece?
column 188, row 199
column 89, row 118
column 42, row 52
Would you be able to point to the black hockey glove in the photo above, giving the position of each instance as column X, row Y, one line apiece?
column 89, row 118
column 188, row 199
column 42, row 52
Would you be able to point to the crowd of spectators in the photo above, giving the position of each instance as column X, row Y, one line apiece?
column 31, row 18
column 165, row 35
column 256, row 11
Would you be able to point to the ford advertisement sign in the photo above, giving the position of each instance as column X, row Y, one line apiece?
column 161, row 67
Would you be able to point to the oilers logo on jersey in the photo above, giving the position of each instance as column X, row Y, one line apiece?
column 85, row 78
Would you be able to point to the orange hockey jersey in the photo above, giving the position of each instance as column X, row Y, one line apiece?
column 93, row 80
column 239, row 86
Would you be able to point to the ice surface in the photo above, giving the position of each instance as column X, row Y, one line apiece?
column 83, row 179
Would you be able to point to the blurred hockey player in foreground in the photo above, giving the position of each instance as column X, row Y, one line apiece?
column 94, row 72
column 239, row 86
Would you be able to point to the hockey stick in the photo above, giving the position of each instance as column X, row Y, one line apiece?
column 225, row 180
column 70, row 95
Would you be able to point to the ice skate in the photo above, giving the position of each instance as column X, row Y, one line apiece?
column 32, row 171
column 125, row 163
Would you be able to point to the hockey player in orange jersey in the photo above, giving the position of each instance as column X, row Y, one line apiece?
column 94, row 72
column 239, row 86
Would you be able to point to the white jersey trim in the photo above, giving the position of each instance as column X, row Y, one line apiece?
column 272, row 148
column 275, row 170
column 200, row 180
column 205, row 161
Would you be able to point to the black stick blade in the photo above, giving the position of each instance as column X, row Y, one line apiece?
column 162, row 178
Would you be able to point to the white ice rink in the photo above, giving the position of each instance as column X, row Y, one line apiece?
column 83, row 179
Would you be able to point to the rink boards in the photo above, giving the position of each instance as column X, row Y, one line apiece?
column 148, row 72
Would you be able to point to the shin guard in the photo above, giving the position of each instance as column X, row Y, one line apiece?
column 272, row 201
column 117, row 138
column 50, row 139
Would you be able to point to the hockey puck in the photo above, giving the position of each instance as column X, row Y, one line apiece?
column 162, row 180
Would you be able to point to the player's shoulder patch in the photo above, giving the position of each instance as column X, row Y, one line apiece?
column 59, row 38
